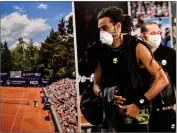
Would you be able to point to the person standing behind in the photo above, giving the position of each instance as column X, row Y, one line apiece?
column 163, row 115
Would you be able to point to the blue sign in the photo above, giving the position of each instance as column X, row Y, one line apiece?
column 2, row 82
column 4, row 74
column 31, row 74
column 15, row 81
column 27, row 79
column 45, row 82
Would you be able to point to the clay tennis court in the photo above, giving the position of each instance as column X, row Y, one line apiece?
column 17, row 116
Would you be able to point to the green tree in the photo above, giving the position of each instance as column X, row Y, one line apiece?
column 70, row 25
column 18, row 56
column 57, row 52
column 55, row 59
column 25, row 56
column 61, row 27
column 6, row 58
column 32, row 58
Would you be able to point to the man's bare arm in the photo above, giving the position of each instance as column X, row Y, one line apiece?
column 160, row 78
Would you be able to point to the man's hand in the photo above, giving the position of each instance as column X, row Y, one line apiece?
column 119, row 99
column 132, row 110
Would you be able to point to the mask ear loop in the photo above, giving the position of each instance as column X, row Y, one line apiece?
column 121, row 36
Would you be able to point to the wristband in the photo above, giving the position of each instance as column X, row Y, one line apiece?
column 142, row 103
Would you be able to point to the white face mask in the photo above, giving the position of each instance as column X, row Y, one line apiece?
column 106, row 38
column 154, row 40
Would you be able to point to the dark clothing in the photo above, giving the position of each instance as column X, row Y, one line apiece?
column 167, row 96
column 116, row 71
column 168, row 54
column 163, row 121
column 166, row 119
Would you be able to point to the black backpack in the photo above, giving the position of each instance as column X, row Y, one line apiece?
column 91, row 108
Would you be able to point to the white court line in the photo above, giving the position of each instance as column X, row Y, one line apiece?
column 29, row 109
column 24, row 115
column 4, row 100
column 7, row 115
column 16, row 113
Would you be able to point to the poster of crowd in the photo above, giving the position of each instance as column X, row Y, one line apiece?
column 150, row 9
column 158, row 12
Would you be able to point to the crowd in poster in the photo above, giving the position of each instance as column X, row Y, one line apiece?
column 150, row 9
column 158, row 12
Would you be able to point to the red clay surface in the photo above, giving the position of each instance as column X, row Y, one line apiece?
column 16, row 117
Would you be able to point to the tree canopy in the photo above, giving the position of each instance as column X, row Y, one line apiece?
column 55, row 58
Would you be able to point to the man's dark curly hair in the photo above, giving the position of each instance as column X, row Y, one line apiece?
column 116, row 15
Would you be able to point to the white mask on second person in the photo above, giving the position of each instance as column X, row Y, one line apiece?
column 154, row 40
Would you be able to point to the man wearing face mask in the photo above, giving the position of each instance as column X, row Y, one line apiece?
column 120, row 56
column 163, row 111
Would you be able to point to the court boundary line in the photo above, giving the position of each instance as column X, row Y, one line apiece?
column 1, row 109
column 16, row 113
column 4, row 101
column 7, row 115
column 24, row 115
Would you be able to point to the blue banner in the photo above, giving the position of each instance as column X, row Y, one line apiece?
column 45, row 82
column 2, row 82
column 31, row 74
column 15, row 81
column 4, row 74
column 27, row 79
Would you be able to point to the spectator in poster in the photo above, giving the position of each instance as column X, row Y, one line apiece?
column 148, row 12
column 140, row 20
column 134, row 9
column 165, row 10
column 159, row 10
column 163, row 111
column 137, row 31
column 167, row 39
column 150, row 9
